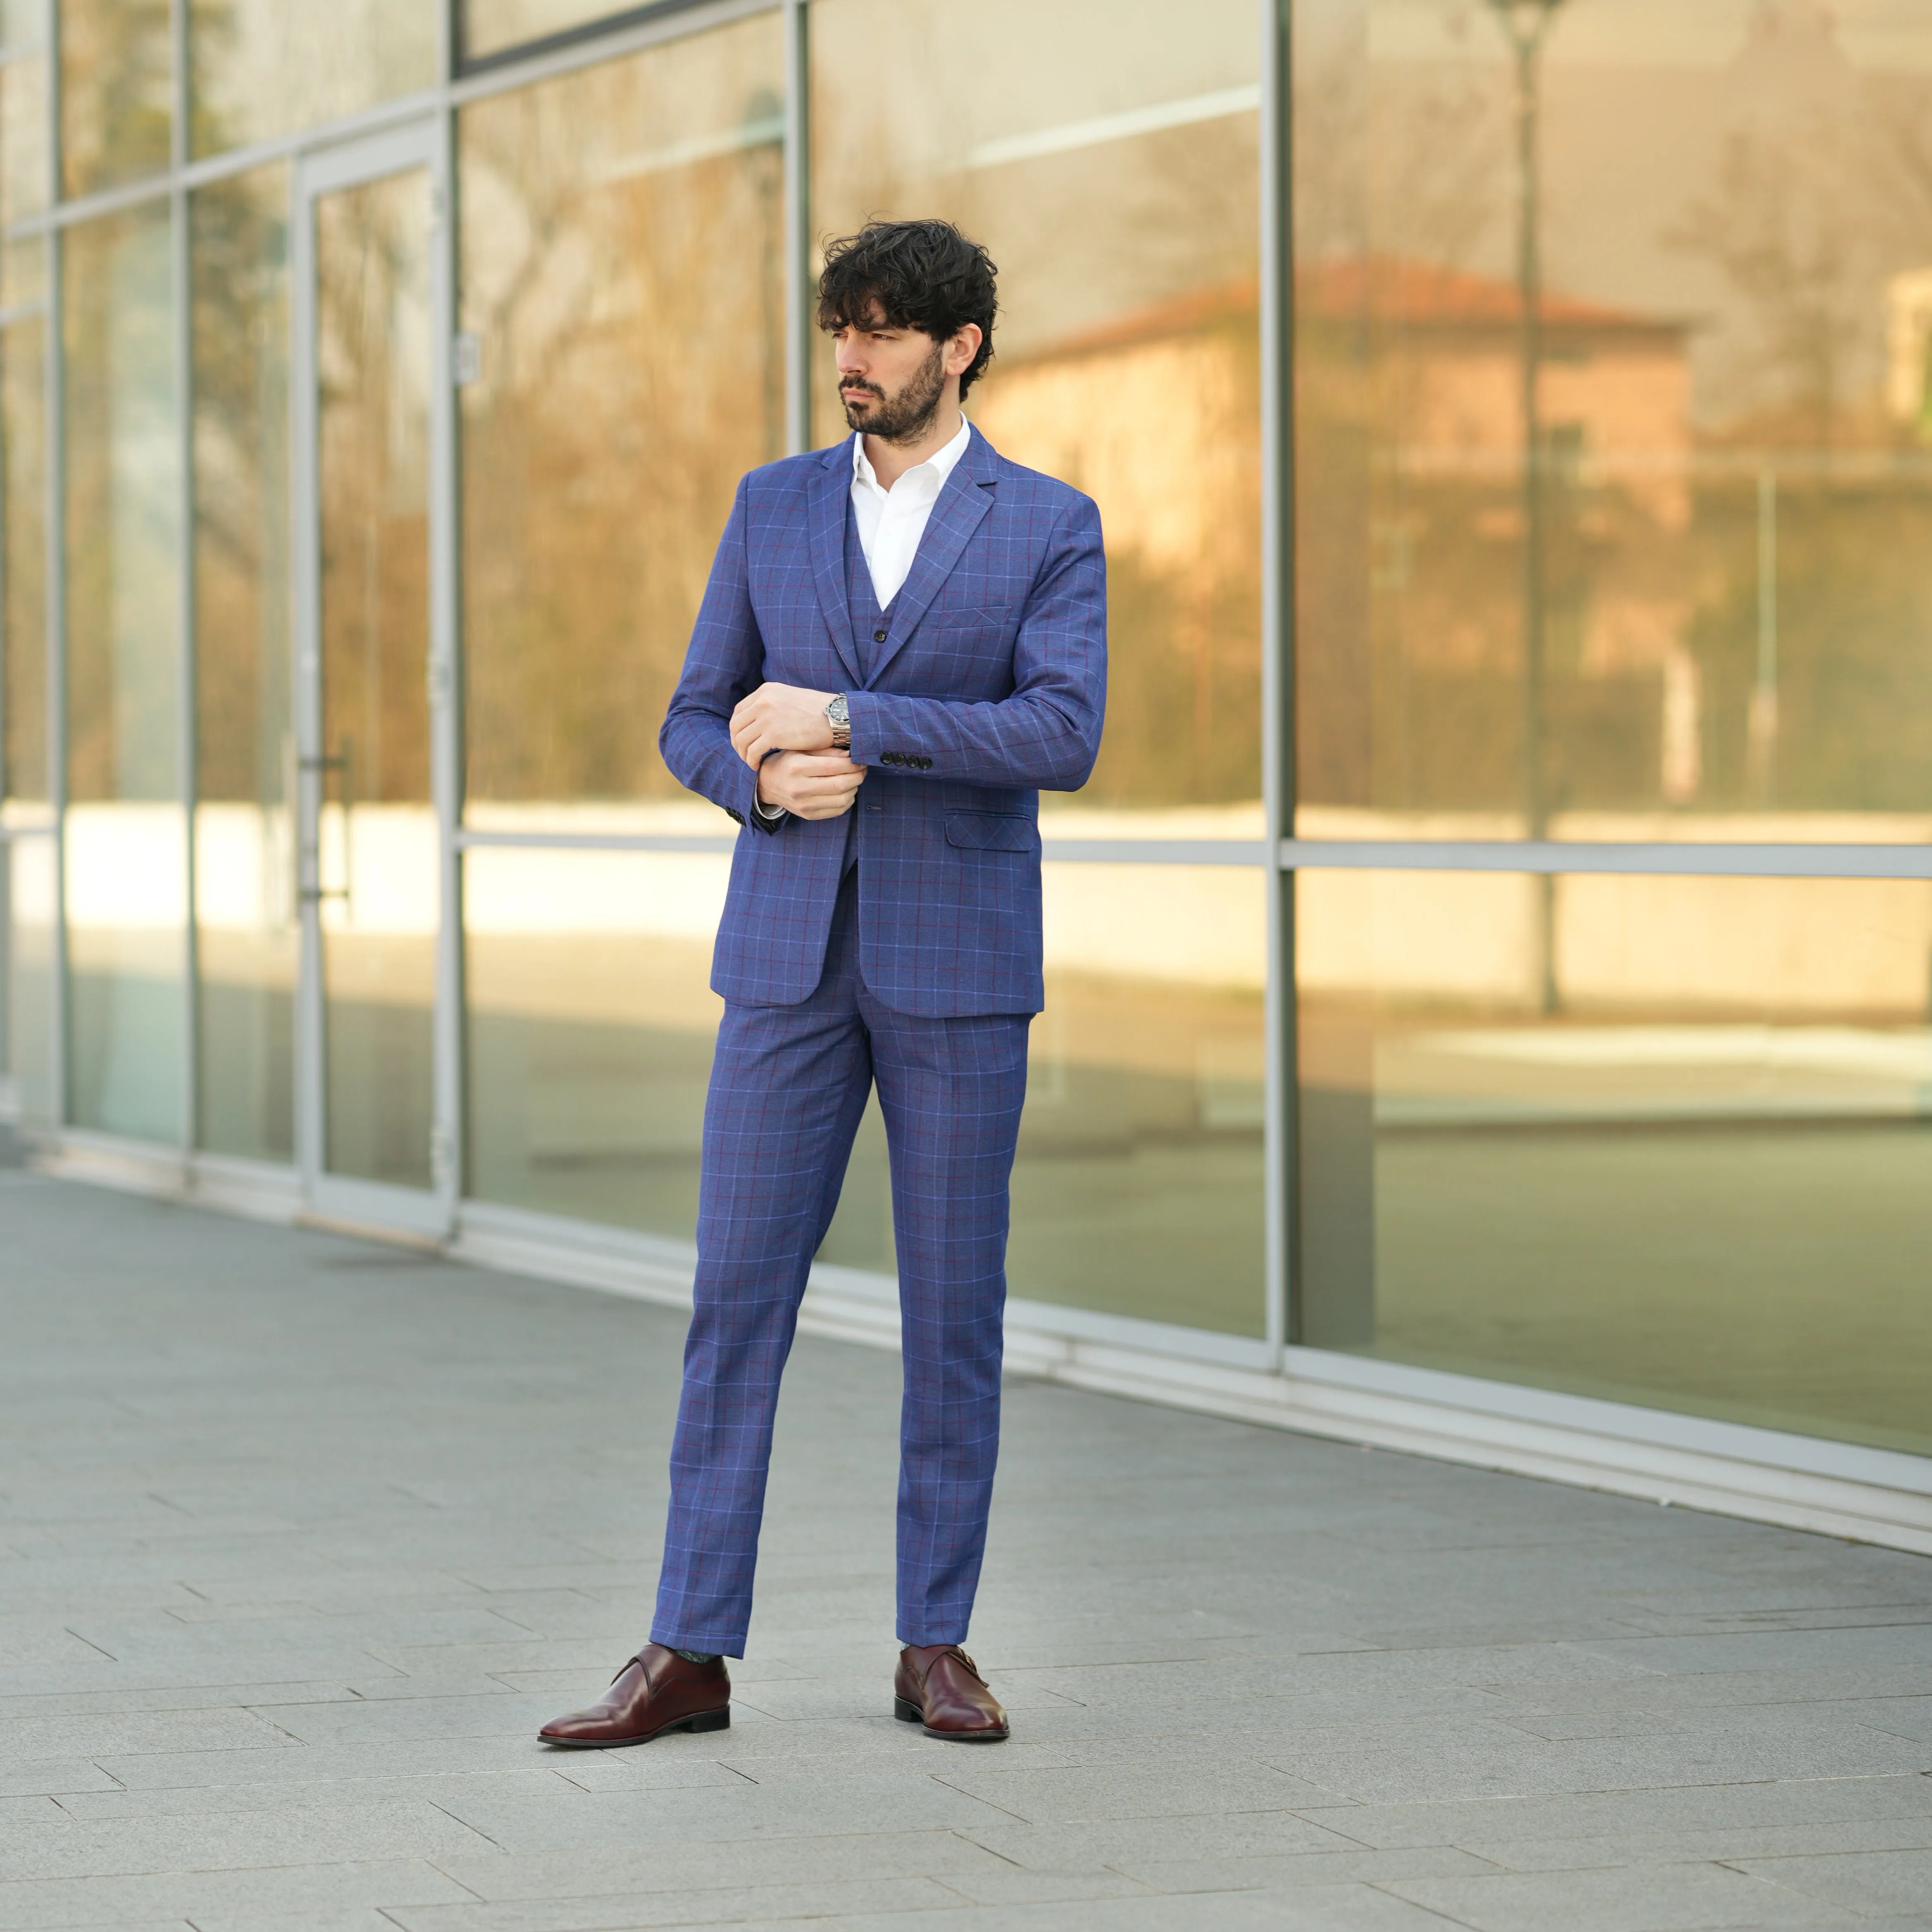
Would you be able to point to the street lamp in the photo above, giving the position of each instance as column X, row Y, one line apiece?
column 1525, row 26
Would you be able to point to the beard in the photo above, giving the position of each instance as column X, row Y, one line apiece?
column 906, row 416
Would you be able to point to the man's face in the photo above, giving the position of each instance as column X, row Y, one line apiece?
column 890, row 380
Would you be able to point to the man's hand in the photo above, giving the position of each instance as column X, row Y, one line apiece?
column 781, row 718
column 809, row 784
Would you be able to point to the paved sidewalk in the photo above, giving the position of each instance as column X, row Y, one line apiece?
column 301, row 1538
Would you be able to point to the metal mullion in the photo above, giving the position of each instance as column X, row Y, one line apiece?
column 188, row 735
column 1277, row 683
column 799, row 327
column 85, row 207
column 55, row 376
column 305, row 649
column 444, row 671
column 1251, row 853
column 1548, row 856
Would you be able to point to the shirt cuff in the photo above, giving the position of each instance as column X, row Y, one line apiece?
column 769, row 818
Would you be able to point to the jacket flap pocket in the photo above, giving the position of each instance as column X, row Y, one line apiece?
column 989, row 832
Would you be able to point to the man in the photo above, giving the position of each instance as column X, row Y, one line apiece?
column 904, row 636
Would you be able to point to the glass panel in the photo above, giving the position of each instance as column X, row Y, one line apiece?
column 1688, row 1166
column 621, row 261
column 379, row 841
column 23, row 569
column 591, row 1020
column 23, row 112
column 126, row 859
column 1109, row 161
column 489, row 26
column 260, row 68
column 1138, row 1187
column 244, row 880
column 29, row 895
column 117, row 86
column 1618, row 449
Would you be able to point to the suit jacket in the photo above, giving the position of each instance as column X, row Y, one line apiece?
column 991, row 683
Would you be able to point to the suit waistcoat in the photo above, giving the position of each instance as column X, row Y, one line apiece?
column 868, row 621
column 868, row 633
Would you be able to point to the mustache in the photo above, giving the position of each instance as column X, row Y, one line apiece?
column 856, row 388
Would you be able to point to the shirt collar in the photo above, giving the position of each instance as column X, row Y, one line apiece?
column 940, row 463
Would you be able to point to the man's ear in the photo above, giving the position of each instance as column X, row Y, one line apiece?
column 962, row 349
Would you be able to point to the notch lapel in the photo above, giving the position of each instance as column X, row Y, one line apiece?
column 962, row 505
column 829, row 496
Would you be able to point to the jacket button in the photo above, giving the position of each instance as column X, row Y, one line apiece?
column 878, row 636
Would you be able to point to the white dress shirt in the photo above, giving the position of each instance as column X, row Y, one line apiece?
column 891, row 522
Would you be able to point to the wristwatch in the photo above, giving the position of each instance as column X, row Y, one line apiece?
column 838, row 715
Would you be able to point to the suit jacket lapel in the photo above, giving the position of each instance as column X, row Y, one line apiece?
column 963, row 502
column 829, row 496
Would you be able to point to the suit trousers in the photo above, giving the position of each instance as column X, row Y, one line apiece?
column 788, row 1086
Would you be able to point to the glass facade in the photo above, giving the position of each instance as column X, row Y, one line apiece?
column 1497, row 937
column 591, row 1017
column 1621, row 438
column 492, row 27
column 246, row 912
column 1699, row 1177
column 117, row 115
column 125, row 837
column 623, row 278
column 261, row 68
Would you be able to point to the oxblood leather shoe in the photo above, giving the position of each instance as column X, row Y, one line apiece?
column 938, row 1687
column 656, row 1691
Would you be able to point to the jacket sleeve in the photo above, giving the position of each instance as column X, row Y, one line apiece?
column 724, row 663
column 1045, row 735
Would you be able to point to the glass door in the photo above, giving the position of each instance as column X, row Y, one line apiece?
column 376, row 1148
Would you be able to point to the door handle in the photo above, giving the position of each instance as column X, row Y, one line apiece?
column 342, row 762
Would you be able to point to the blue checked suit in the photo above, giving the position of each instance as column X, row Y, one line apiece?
column 898, row 945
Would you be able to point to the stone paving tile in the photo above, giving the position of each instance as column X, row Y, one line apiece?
column 52, row 1776
column 604, row 1867
column 41, row 1905
column 723, row 1904
column 1653, row 1898
column 1587, row 1815
column 301, row 1538
column 1289, row 1872
column 1733, row 1845
column 722, row 1813
column 1087, row 1793
column 1389, row 1774
column 333, row 1835
column 1201, row 1838
column 1332, row 1908
column 1894, row 1881
column 103, row 1734
column 287, row 1795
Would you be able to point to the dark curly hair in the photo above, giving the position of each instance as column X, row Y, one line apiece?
column 918, row 274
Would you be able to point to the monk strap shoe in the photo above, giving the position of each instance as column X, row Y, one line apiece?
column 656, row 1691
column 939, row 1687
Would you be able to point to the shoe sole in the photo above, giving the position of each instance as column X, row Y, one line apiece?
column 907, row 1712
column 699, row 1720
